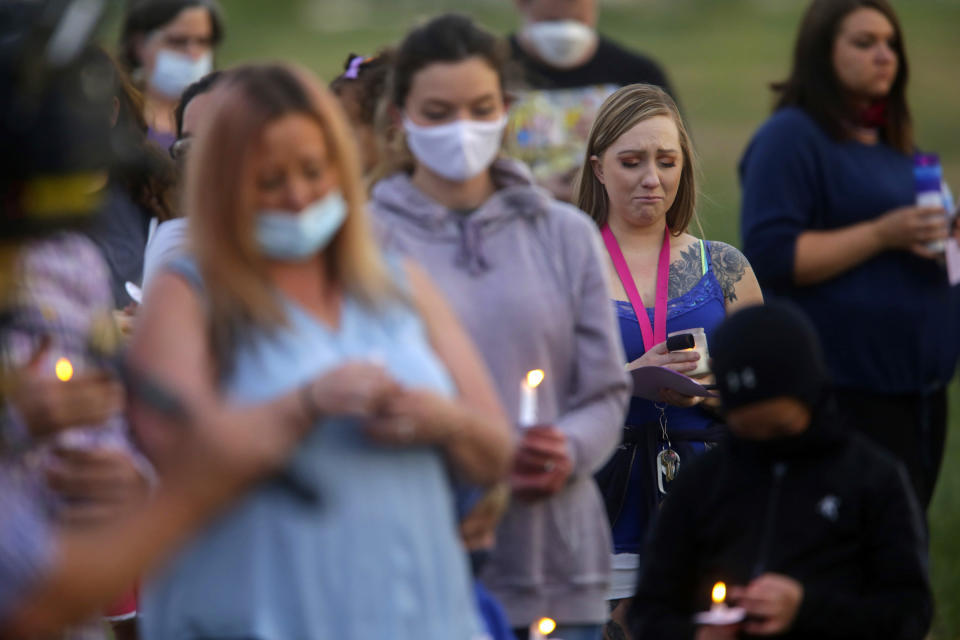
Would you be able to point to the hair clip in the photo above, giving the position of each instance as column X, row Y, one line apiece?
column 353, row 67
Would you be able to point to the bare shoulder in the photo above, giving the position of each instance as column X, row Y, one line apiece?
column 686, row 265
column 726, row 257
column 171, row 308
column 171, row 339
column 170, row 293
column 730, row 267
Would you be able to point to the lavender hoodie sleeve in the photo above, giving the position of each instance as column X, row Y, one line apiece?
column 600, row 390
column 26, row 544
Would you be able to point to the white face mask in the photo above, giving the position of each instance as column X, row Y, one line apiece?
column 457, row 150
column 173, row 72
column 563, row 44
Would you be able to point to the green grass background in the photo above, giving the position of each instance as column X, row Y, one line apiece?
column 721, row 55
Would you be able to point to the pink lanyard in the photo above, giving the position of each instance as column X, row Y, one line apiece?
column 652, row 336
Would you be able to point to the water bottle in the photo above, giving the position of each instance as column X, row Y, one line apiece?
column 928, row 185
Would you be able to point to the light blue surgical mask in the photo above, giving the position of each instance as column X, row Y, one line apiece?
column 173, row 71
column 293, row 237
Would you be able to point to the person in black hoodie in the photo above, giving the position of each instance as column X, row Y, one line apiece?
column 813, row 526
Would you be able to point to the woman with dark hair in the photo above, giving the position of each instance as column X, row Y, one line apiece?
column 168, row 238
column 525, row 274
column 166, row 45
column 141, row 186
column 639, row 184
column 357, row 538
column 829, row 220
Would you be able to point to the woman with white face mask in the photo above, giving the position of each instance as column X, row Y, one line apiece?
column 357, row 538
column 167, row 45
column 524, row 273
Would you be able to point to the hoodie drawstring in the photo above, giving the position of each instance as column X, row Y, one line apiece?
column 471, row 256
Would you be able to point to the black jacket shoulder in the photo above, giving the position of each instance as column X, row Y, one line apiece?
column 611, row 64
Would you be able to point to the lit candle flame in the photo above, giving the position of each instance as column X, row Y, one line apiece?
column 719, row 592
column 63, row 369
column 534, row 378
column 546, row 626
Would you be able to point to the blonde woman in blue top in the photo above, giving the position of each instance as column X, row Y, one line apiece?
column 357, row 538
column 639, row 186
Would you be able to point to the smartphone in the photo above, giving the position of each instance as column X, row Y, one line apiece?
column 681, row 342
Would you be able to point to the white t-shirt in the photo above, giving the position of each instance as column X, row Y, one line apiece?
column 167, row 241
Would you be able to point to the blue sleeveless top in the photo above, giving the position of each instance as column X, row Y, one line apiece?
column 702, row 306
column 378, row 556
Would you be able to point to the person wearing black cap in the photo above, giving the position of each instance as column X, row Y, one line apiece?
column 814, row 527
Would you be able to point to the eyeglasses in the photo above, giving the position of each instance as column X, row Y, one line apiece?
column 180, row 147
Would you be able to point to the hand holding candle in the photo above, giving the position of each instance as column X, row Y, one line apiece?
column 53, row 393
column 543, row 463
column 772, row 601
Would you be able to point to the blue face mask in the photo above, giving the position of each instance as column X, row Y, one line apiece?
column 297, row 236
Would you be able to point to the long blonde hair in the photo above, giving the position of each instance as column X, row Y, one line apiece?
column 619, row 113
column 220, row 200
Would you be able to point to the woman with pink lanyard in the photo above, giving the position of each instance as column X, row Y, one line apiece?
column 638, row 185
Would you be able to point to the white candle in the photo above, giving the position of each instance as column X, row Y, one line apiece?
column 718, row 595
column 541, row 629
column 529, row 410
column 720, row 614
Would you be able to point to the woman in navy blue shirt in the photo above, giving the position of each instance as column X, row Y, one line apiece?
column 828, row 219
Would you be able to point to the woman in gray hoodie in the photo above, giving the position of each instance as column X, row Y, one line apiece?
column 525, row 274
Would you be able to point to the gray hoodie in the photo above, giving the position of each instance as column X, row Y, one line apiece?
column 525, row 275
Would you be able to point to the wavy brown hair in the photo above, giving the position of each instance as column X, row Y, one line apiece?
column 144, row 171
column 620, row 112
column 813, row 85
column 220, row 198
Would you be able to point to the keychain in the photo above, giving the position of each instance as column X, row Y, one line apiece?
column 668, row 460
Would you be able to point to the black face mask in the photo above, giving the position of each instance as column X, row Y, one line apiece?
column 478, row 560
column 780, row 447
column 822, row 432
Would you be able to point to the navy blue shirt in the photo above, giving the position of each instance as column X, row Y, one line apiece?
column 120, row 232
column 888, row 325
